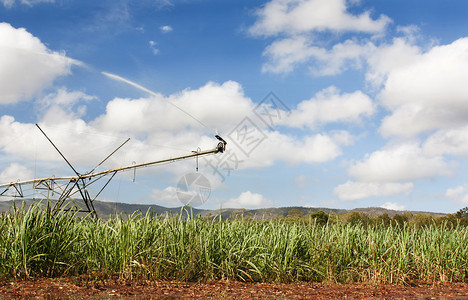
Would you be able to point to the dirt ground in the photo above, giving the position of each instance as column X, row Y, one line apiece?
column 72, row 288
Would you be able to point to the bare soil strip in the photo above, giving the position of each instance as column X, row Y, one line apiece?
column 77, row 288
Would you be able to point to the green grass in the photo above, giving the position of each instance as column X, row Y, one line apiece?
column 36, row 242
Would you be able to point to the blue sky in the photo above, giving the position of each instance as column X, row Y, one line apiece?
column 324, row 103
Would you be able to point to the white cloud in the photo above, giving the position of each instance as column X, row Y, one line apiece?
column 10, row 3
column 153, row 48
column 64, row 98
column 298, row 24
column 352, row 190
column 401, row 162
column 437, row 75
column 280, row 147
column 248, row 200
column 166, row 197
column 217, row 106
column 302, row 16
column 83, row 145
column 26, row 65
column 451, row 141
column 459, row 194
column 429, row 92
column 342, row 137
column 384, row 59
column 165, row 29
column 276, row 147
column 342, row 56
column 285, row 55
column 409, row 120
column 17, row 138
column 153, row 121
column 15, row 172
column 329, row 106
column 63, row 105
column 393, row 206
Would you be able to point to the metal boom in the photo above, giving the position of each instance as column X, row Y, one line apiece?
column 67, row 186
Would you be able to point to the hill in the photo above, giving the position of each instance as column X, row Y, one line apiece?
column 105, row 209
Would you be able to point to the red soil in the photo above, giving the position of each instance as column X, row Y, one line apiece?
column 60, row 288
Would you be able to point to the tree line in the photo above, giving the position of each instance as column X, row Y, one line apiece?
column 460, row 218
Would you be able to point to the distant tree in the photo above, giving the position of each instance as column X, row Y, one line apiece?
column 383, row 219
column 277, row 217
column 320, row 218
column 356, row 218
column 334, row 218
column 208, row 216
column 462, row 213
column 422, row 220
column 448, row 221
column 400, row 220
column 239, row 214
column 266, row 215
column 295, row 213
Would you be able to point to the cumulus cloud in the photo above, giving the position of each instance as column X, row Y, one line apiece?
column 59, row 115
column 429, row 92
column 217, row 106
column 15, row 172
column 248, row 200
column 451, row 141
column 386, row 58
column 26, row 65
column 347, row 55
column 424, row 91
column 302, row 16
column 63, row 105
column 72, row 136
column 276, row 147
column 459, row 194
column 389, row 171
column 284, row 55
column 297, row 24
column 165, row 29
column 329, row 106
column 401, row 162
column 375, row 56
column 316, row 148
column 352, row 190
column 166, row 197
column 17, row 138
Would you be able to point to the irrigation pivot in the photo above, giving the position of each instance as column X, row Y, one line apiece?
column 76, row 186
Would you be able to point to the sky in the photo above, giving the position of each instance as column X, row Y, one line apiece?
column 323, row 103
